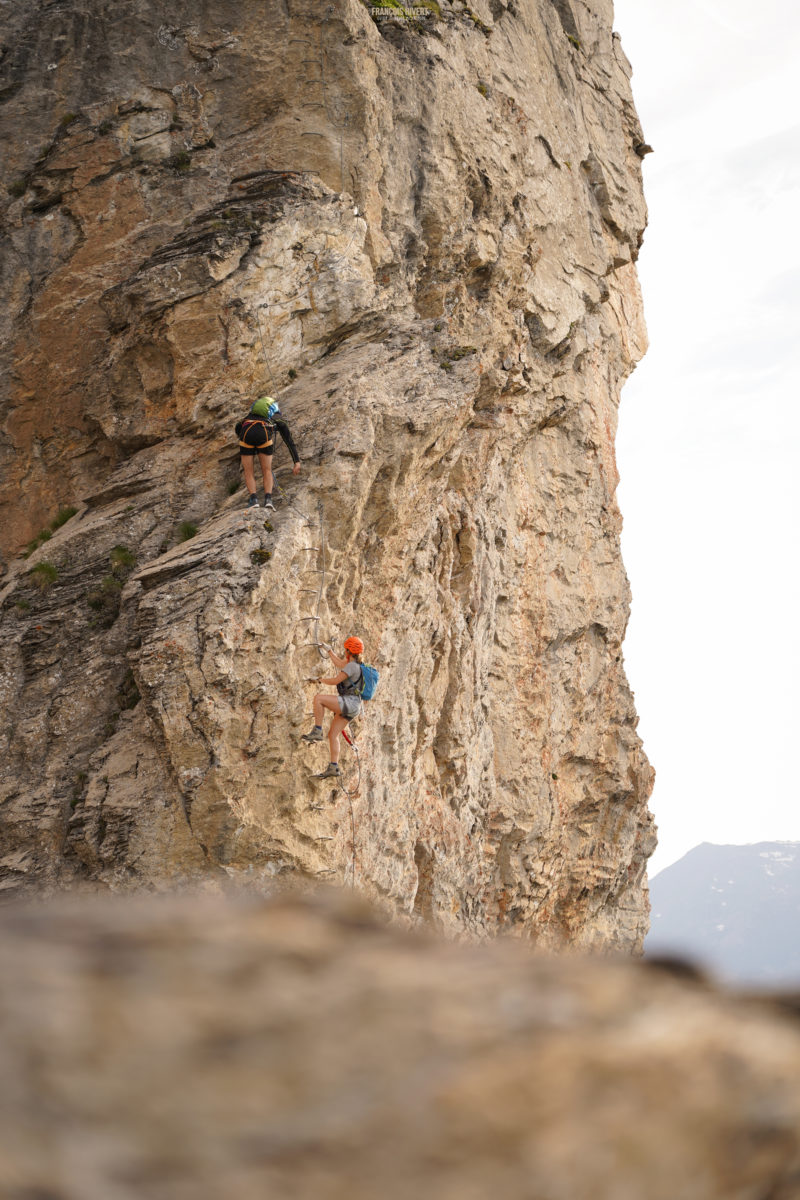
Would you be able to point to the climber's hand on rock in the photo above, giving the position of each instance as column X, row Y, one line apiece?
column 296, row 469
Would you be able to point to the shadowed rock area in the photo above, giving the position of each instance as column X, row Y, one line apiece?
column 420, row 235
column 160, row 1049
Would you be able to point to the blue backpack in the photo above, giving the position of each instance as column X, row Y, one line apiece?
column 369, row 682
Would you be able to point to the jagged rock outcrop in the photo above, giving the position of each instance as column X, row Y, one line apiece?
column 420, row 235
column 169, row 1048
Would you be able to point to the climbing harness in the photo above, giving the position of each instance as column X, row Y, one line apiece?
column 269, row 430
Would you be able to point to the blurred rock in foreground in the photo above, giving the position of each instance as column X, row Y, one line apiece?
column 178, row 1048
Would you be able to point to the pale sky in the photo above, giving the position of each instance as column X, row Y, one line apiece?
column 709, row 436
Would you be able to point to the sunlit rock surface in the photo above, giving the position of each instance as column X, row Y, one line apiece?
column 421, row 237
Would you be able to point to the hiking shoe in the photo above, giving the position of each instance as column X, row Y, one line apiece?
column 253, row 501
column 331, row 772
column 268, row 503
column 314, row 736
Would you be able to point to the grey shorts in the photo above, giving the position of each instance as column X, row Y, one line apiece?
column 349, row 706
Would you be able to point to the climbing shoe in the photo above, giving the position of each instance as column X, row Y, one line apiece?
column 268, row 502
column 331, row 772
column 253, row 501
column 314, row 736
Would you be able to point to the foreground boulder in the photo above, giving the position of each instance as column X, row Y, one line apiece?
column 179, row 1048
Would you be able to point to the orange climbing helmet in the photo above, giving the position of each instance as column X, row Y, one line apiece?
column 354, row 645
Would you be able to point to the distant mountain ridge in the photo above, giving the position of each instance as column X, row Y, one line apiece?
column 734, row 909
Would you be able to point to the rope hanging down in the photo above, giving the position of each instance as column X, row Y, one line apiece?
column 341, row 126
column 350, row 798
column 315, row 275
column 315, row 618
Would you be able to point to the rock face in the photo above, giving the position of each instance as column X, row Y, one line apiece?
column 419, row 235
column 167, row 1048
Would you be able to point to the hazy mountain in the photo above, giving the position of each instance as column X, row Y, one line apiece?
column 735, row 909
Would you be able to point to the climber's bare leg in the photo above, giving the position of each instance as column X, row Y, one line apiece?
column 337, row 725
column 323, row 701
column 266, row 472
column 249, row 473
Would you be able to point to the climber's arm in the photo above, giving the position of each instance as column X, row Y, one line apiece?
column 284, row 431
column 340, row 678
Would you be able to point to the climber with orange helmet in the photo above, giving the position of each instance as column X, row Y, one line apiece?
column 349, row 683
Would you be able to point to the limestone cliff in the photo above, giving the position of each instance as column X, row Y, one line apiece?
column 418, row 231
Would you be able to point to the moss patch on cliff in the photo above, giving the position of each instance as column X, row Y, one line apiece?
column 63, row 516
column 106, row 599
column 44, row 575
column 455, row 354
column 18, row 187
column 128, row 691
column 44, row 535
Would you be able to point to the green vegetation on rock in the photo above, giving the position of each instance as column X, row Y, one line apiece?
column 122, row 557
column 44, row 575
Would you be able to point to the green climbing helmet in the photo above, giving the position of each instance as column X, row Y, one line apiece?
column 266, row 408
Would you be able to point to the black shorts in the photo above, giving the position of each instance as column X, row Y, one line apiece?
column 255, row 437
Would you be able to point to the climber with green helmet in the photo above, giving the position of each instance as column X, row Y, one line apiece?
column 346, row 705
column 256, row 434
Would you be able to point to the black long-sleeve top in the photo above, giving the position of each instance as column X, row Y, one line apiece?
column 283, row 430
